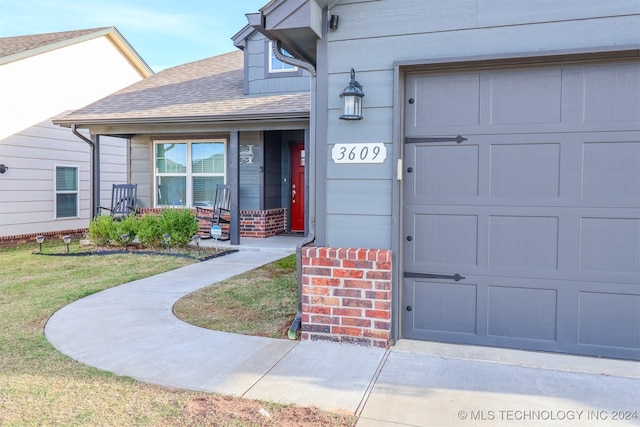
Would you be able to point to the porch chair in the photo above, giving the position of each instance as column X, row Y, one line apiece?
column 123, row 201
column 219, row 214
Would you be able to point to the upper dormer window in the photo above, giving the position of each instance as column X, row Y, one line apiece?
column 277, row 66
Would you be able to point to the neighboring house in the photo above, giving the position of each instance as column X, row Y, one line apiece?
column 522, row 233
column 46, row 188
column 240, row 118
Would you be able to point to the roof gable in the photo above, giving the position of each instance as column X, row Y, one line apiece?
column 21, row 47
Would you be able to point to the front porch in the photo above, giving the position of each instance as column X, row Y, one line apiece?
column 281, row 242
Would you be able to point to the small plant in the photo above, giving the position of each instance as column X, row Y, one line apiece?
column 101, row 229
column 149, row 233
column 181, row 224
column 126, row 230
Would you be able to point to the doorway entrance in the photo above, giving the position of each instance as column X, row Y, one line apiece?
column 297, row 186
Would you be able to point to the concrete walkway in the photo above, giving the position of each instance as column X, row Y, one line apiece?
column 130, row 330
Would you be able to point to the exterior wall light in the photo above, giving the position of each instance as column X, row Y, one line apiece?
column 4, row 168
column 352, row 100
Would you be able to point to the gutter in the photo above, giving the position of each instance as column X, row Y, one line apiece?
column 311, row 180
column 95, row 168
column 215, row 120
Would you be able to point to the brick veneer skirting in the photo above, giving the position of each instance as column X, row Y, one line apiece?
column 346, row 295
column 253, row 223
column 256, row 223
column 9, row 241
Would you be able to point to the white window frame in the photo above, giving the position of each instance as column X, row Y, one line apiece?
column 289, row 68
column 189, row 174
column 56, row 191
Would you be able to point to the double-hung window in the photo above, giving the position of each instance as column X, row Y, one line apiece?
column 186, row 172
column 66, row 186
column 277, row 66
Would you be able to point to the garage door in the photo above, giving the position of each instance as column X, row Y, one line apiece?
column 521, row 208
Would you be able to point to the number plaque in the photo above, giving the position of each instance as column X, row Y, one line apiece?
column 359, row 153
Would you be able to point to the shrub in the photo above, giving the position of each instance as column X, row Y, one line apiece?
column 149, row 230
column 126, row 226
column 181, row 224
column 101, row 229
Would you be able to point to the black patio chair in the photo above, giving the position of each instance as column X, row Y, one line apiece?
column 123, row 201
column 219, row 214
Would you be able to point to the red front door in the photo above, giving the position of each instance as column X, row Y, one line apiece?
column 297, row 186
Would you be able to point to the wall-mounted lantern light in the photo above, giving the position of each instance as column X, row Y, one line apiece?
column 352, row 100
column 333, row 22
column 4, row 168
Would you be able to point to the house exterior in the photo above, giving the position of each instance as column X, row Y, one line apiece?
column 46, row 188
column 502, row 207
column 240, row 118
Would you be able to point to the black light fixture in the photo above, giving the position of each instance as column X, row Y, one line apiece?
column 4, row 168
column 352, row 99
column 333, row 22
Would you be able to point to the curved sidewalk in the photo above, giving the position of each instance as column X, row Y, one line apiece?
column 131, row 330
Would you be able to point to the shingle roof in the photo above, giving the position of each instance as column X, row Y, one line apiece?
column 19, row 44
column 20, row 47
column 211, row 89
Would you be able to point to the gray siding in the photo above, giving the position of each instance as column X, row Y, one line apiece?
column 259, row 80
column 251, row 171
column 142, row 169
column 375, row 35
column 273, row 175
column 27, row 188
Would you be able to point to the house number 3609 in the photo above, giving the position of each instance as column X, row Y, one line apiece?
column 359, row 153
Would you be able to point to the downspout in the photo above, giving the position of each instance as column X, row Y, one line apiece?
column 311, row 168
column 95, row 168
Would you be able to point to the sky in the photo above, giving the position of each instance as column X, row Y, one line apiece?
column 165, row 33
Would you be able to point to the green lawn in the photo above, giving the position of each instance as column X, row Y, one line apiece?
column 39, row 386
column 260, row 302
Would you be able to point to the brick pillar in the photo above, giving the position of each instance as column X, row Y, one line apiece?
column 346, row 295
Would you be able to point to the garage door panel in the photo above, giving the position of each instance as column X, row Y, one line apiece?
column 550, row 315
column 445, row 239
column 443, row 307
column 525, row 170
column 612, row 93
column 611, row 169
column 445, row 170
column 525, row 97
column 534, row 212
column 523, row 241
column 551, row 242
column 522, row 313
column 610, row 245
column 453, row 100
column 610, row 320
